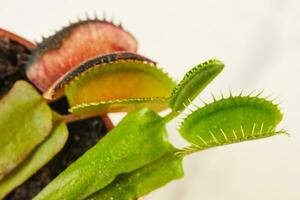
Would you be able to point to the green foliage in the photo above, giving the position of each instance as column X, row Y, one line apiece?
column 193, row 83
column 135, row 157
column 142, row 181
column 25, row 121
column 231, row 120
column 128, row 173
column 229, row 114
column 126, row 148
column 222, row 122
column 37, row 159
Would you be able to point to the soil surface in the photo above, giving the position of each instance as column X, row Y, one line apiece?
column 12, row 62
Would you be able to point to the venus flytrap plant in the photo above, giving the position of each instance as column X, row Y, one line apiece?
column 135, row 157
column 225, row 121
column 222, row 122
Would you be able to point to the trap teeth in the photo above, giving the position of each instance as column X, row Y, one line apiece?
column 65, row 50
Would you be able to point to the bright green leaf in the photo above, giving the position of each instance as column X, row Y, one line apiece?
column 142, row 181
column 139, row 139
column 231, row 120
column 194, row 82
column 25, row 121
column 38, row 158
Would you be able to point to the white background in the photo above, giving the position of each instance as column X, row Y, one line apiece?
column 259, row 41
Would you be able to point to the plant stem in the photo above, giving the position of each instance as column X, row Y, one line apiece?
column 73, row 118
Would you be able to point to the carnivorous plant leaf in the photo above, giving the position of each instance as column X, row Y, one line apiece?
column 117, row 86
column 74, row 44
column 194, row 82
column 57, row 89
column 25, row 121
column 38, row 158
column 125, row 148
column 230, row 120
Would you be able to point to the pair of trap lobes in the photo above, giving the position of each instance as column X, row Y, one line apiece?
column 114, row 83
column 109, row 83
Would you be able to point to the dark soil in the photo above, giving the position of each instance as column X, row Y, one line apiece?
column 61, row 106
column 12, row 58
